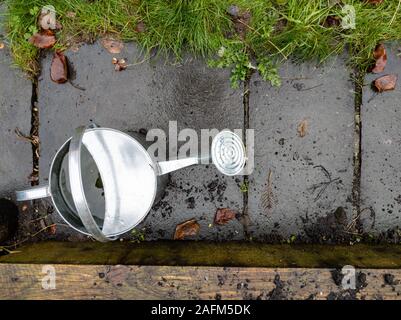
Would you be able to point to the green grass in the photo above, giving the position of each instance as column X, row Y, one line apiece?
column 198, row 26
column 295, row 29
column 374, row 25
column 92, row 19
column 305, row 35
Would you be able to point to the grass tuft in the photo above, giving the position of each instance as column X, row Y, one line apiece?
column 277, row 30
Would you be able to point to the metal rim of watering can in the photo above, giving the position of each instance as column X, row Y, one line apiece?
column 81, row 199
column 51, row 191
column 77, row 187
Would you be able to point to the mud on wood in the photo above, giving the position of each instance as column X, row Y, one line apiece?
column 25, row 281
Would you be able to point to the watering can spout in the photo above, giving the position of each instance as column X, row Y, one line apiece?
column 165, row 167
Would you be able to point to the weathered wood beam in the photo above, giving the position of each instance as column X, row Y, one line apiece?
column 191, row 253
column 29, row 281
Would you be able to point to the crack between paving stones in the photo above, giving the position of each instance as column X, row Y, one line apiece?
column 34, row 133
column 358, row 79
column 245, row 101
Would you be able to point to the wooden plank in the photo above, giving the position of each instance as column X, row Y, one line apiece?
column 192, row 253
column 25, row 281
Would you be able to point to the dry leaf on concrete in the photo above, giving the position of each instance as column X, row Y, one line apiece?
column 119, row 64
column 302, row 128
column 112, row 45
column 385, row 83
column 380, row 56
column 59, row 68
column 185, row 229
column 223, row 215
column 43, row 40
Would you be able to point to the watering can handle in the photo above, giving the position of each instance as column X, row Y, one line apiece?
column 77, row 188
column 33, row 193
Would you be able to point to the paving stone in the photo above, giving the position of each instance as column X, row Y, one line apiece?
column 148, row 95
column 288, row 205
column 381, row 141
column 15, row 102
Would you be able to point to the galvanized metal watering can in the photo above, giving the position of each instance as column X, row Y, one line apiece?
column 103, row 182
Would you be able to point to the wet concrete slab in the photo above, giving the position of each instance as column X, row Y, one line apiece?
column 381, row 141
column 15, row 104
column 147, row 95
column 302, row 185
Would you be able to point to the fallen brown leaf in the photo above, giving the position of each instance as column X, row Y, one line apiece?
column 112, row 45
column 241, row 24
column 2, row 45
column 140, row 27
column 233, row 11
column 119, row 64
column 223, row 215
column 302, row 128
column 43, row 40
column 386, row 83
column 375, row 1
column 380, row 56
column 59, row 68
column 187, row 228
column 332, row 21
column 241, row 20
column 53, row 229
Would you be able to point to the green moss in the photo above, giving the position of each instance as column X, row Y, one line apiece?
column 181, row 253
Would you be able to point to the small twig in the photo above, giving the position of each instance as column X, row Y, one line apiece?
column 268, row 198
column 323, row 185
column 30, row 237
column 328, row 175
column 38, row 219
column 76, row 86
column 355, row 220
column 310, row 88
column 32, row 139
